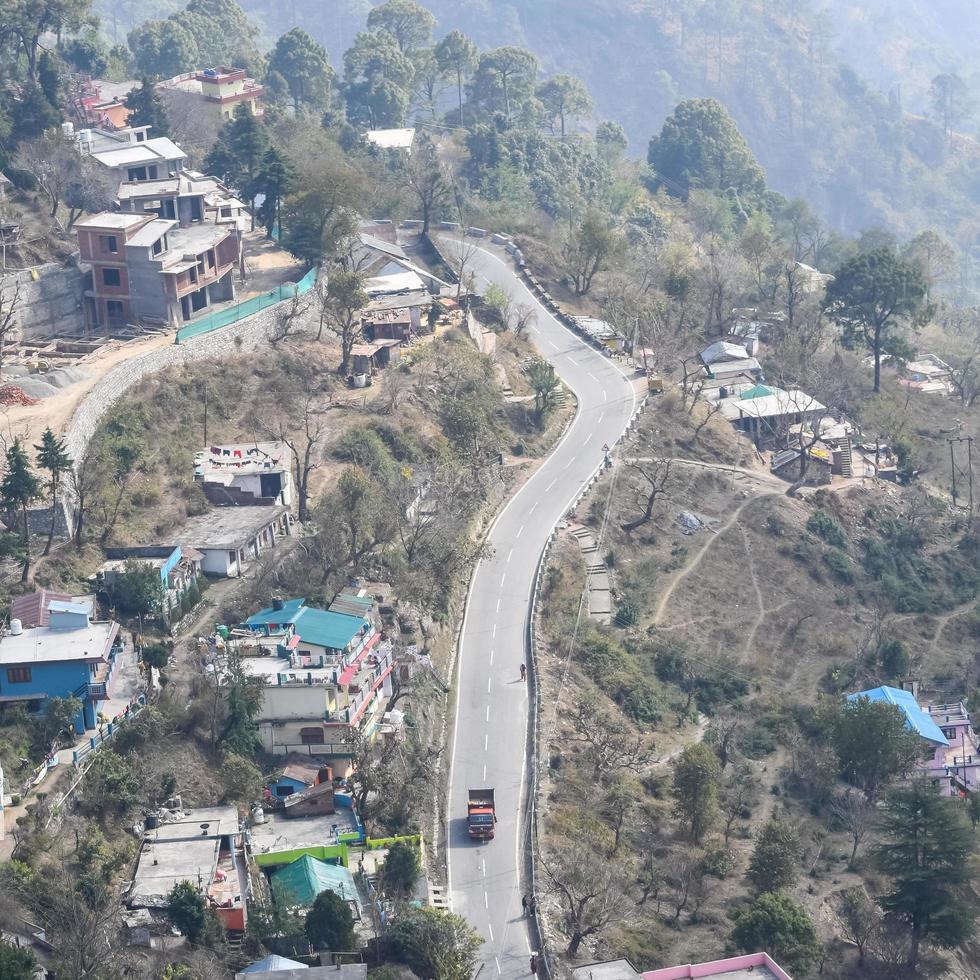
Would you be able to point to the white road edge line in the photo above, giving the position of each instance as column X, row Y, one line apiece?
column 476, row 568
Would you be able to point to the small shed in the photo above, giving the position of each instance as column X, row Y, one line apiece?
column 311, row 801
column 299, row 773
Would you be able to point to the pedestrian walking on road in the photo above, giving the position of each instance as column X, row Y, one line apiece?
column 534, row 964
column 523, row 672
column 525, row 904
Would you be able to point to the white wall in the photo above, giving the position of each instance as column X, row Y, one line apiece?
column 295, row 701
column 217, row 561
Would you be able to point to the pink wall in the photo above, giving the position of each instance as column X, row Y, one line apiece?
column 715, row 967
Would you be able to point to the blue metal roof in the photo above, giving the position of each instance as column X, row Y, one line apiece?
column 327, row 629
column 276, row 617
column 332, row 630
column 918, row 720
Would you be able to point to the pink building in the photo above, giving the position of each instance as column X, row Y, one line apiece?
column 955, row 767
column 750, row 966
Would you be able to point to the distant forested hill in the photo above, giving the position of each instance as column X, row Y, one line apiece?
column 845, row 135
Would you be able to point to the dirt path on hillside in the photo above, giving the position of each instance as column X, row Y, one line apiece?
column 703, row 550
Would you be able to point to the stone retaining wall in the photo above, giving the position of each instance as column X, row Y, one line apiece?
column 247, row 334
column 49, row 305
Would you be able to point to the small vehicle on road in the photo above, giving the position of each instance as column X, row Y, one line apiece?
column 481, row 814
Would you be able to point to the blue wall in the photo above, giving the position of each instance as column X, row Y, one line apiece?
column 59, row 679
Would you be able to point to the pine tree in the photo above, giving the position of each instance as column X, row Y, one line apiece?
column 239, row 153
column 52, row 457
column 926, row 851
column 275, row 178
column 146, row 109
column 18, row 489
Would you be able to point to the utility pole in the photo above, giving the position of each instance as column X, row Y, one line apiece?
column 206, row 419
column 955, row 468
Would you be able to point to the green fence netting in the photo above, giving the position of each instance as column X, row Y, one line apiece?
column 254, row 304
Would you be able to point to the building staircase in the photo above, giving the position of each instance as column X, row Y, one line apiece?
column 846, row 460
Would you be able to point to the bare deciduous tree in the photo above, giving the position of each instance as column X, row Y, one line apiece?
column 591, row 893
column 655, row 475
column 738, row 795
column 611, row 746
column 287, row 320
column 856, row 815
column 301, row 425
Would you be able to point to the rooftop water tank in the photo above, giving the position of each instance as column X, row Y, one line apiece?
column 16, row 627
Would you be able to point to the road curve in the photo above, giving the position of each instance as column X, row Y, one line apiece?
column 490, row 731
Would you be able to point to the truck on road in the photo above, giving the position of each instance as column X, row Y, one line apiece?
column 480, row 813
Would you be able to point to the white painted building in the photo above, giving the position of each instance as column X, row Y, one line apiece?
column 229, row 538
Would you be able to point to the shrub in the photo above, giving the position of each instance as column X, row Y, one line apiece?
column 895, row 661
column 643, row 703
column 825, row 527
column 841, row 567
column 627, row 612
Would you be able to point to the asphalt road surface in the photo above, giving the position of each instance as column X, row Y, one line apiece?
column 490, row 734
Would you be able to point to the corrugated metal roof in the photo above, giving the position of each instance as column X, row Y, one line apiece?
column 916, row 718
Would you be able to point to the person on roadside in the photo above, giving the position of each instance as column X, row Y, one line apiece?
column 534, row 964
column 525, row 904
column 523, row 672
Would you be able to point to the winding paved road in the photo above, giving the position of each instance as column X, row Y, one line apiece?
column 490, row 735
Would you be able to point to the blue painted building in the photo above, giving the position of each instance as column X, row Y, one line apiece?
column 70, row 657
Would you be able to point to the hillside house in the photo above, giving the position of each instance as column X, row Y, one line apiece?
column 726, row 363
column 132, row 154
column 205, row 847
column 147, row 269
column 230, row 538
column 955, row 768
column 187, row 198
column 324, row 674
column 178, row 567
column 279, row 968
column 750, row 966
column 391, row 139
column 71, row 656
column 367, row 358
column 298, row 884
column 766, row 413
column 218, row 91
column 927, row 373
column 248, row 474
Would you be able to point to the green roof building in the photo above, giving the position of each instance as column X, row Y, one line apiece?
column 299, row 883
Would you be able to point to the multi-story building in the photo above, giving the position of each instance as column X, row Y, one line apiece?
column 219, row 90
column 132, row 154
column 149, row 269
column 326, row 675
column 72, row 656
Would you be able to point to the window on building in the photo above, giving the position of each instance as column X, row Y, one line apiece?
column 109, row 243
column 110, row 277
column 311, row 736
column 158, row 246
column 137, row 173
column 114, row 307
column 140, row 137
column 152, row 171
column 22, row 675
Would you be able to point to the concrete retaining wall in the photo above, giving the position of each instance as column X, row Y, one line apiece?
column 245, row 335
column 51, row 304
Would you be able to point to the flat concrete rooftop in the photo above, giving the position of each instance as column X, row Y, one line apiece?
column 228, row 528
